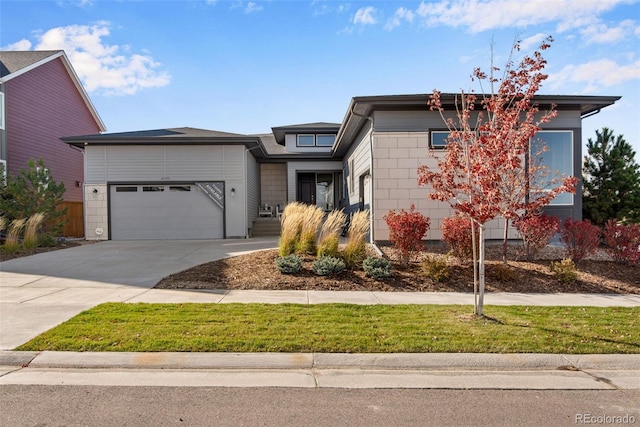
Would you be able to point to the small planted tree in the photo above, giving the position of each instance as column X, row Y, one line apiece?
column 406, row 230
column 32, row 191
column 484, row 172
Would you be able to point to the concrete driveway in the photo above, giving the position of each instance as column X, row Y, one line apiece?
column 41, row 291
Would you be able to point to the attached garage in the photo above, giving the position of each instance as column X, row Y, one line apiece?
column 167, row 211
column 166, row 184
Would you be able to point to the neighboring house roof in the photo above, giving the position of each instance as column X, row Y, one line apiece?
column 319, row 127
column 361, row 108
column 16, row 63
column 170, row 136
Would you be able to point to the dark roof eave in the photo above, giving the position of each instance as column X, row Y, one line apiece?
column 98, row 140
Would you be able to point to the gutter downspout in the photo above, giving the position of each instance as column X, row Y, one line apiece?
column 371, row 199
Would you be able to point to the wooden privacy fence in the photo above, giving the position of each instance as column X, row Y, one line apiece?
column 75, row 219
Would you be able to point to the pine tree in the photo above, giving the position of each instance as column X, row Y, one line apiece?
column 611, row 180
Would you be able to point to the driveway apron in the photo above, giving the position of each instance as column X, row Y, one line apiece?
column 41, row 291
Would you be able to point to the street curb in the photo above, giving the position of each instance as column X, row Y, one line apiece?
column 297, row 361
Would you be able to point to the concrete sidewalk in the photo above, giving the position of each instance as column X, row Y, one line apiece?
column 323, row 370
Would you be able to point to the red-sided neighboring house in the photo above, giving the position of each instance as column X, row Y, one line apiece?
column 42, row 100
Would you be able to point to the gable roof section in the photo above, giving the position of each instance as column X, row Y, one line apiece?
column 16, row 63
column 171, row 136
column 362, row 107
column 318, row 127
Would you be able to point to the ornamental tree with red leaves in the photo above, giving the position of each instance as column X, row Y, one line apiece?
column 488, row 168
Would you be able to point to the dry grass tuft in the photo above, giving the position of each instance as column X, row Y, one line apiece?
column 355, row 249
column 312, row 219
column 31, row 230
column 12, row 241
column 330, row 234
column 291, row 221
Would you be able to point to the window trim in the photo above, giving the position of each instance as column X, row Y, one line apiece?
column 298, row 144
column 315, row 140
column 437, row 131
column 571, row 158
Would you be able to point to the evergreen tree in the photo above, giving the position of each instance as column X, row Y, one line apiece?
column 611, row 180
column 32, row 191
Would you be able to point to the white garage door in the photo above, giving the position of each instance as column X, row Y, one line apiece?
column 157, row 212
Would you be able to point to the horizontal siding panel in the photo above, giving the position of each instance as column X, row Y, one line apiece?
column 42, row 106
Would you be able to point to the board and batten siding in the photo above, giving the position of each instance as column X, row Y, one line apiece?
column 357, row 162
column 252, row 189
column 166, row 164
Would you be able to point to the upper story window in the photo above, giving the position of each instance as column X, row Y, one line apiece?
column 313, row 140
column 439, row 139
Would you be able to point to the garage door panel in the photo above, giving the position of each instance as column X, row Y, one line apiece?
column 164, row 212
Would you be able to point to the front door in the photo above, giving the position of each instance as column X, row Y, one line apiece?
column 307, row 188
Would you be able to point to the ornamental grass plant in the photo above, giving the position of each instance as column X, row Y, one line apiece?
column 291, row 228
column 31, row 230
column 330, row 234
column 355, row 250
column 312, row 217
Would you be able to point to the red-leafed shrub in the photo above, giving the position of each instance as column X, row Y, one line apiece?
column 581, row 238
column 406, row 230
column 623, row 241
column 456, row 232
column 536, row 232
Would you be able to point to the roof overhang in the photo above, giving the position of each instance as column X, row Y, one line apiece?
column 361, row 109
column 74, row 78
column 254, row 144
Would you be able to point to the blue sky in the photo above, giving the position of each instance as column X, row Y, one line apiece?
column 245, row 66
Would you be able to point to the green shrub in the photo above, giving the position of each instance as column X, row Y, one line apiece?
column 565, row 271
column 436, row 268
column 328, row 265
column 289, row 264
column 377, row 268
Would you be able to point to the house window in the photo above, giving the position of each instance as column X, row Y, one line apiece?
column 325, row 140
column 439, row 139
column 306, row 140
column 153, row 188
column 557, row 158
column 351, row 172
column 312, row 140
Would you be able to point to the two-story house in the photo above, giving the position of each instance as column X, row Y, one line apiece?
column 42, row 100
column 190, row 183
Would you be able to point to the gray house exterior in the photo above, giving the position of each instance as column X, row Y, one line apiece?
column 187, row 183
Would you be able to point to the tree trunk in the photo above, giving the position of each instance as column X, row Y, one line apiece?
column 480, row 306
column 474, row 245
column 504, row 241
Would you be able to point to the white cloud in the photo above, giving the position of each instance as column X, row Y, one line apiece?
column 365, row 16
column 396, row 20
column 534, row 41
column 600, row 33
column 482, row 15
column 252, row 7
column 596, row 74
column 23, row 44
column 101, row 67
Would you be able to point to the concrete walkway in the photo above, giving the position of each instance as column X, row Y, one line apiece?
column 41, row 291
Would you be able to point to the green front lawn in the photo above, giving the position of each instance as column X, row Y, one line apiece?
column 345, row 328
